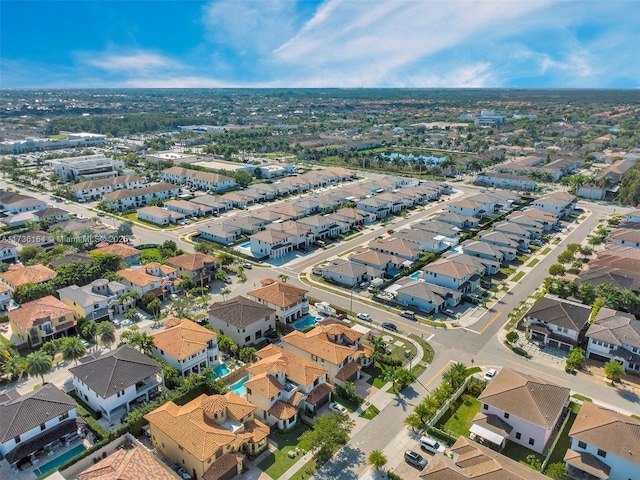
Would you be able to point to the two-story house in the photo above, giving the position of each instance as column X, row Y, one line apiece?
column 281, row 384
column 95, row 189
column 271, row 244
column 186, row 346
column 130, row 255
column 30, row 423
column 5, row 297
column 243, row 320
column 41, row 320
column 97, row 301
column 199, row 267
column 210, row 181
column 289, row 302
column 111, row 382
column 615, row 335
column 125, row 198
column 558, row 203
column 210, row 436
column 604, row 445
column 8, row 252
column 337, row 348
column 454, row 275
column 557, row 323
column 152, row 277
column 520, row 408
column 627, row 238
column 20, row 274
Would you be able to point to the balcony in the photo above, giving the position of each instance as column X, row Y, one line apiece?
column 147, row 384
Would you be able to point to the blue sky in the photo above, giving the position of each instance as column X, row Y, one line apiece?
column 330, row 43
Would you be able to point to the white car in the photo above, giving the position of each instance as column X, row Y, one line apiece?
column 364, row 316
column 336, row 407
column 490, row 374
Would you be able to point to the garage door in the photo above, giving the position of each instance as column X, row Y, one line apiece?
column 600, row 358
column 554, row 344
column 565, row 347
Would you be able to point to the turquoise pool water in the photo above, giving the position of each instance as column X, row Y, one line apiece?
column 246, row 245
column 238, row 388
column 305, row 322
column 416, row 275
column 56, row 462
column 455, row 250
column 220, row 371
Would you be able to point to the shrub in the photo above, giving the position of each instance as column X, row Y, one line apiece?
column 390, row 360
column 466, row 399
column 475, row 389
column 512, row 337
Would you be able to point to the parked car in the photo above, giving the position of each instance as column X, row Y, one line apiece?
column 336, row 407
column 430, row 445
column 449, row 313
column 227, row 280
column 415, row 459
column 520, row 351
column 248, row 266
column 408, row 314
column 490, row 374
column 390, row 326
column 100, row 214
column 364, row 285
column 364, row 316
column 390, row 231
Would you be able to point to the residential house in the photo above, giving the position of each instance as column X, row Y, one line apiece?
column 8, row 252
column 213, row 203
column 199, row 267
column 454, row 275
column 424, row 240
column 515, row 230
column 187, row 208
column 125, row 464
column 130, row 255
column 152, row 277
column 97, row 301
column 159, row 215
column 470, row 460
column 500, row 239
column 39, row 321
column 210, row 181
column 337, row 348
column 505, row 180
column 463, row 222
column 348, row 273
column 243, row 320
column 220, row 231
column 19, row 275
column 614, row 335
column 379, row 207
column 531, row 224
column 548, row 220
column 520, row 408
column 14, row 203
column 486, row 265
column 34, row 238
column 389, row 264
column 443, row 232
column 186, row 346
column 604, row 444
column 396, row 247
column 271, row 244
column 111, row 382
column 91, row 190
column 5, row 297
column 468, row 207
column 557, row 323
column 627, row 238
column 126, row 199
column 289, row 302
column 633, row 216
column 558, row 203
column 488, row 251
column 50, row 215
column 282, row 385
column 238, row 199
column 627, row 278
column 321, row 226
column 209, row 436
column 31, row 423
column 426, row 297
column 300, row 234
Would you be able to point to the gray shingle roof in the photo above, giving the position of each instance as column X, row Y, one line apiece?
column 562, row 313
column 114, row 371
column 239, row 311
column 26, row 412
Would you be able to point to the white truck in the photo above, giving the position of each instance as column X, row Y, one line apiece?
column 325, row 309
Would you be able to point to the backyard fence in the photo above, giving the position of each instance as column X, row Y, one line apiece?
column 454, row 396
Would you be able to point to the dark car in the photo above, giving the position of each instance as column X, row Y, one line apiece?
column 520, row 351
column 390, row 326
column 415, row 459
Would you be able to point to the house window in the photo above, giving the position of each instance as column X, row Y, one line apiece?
column 42, row 427
column 531, row 441
column 518, row 436
column 602, row 453
column 582, row 445
column 485, row 407
column 247, row 339
column 17, row 439
column 506, row 415
column 258, row 334
column 64, row 416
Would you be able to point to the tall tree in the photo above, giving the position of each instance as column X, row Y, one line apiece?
column 377, row 459
column 72, row 349
column 106, row 333
column 614, row 371
column 328, row 434
column 38, row 364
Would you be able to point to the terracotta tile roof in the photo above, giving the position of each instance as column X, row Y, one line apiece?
column 120, row 249
column 282, row 411
column 587, row 463
column 198, row 432
column 608, row 430
column 319, row 393
column 193, row 261
column 183, row 340
column 138, row 276
column 38, row 311
column 348, row 372
column 319, row 342
column 224, row 466
column 264, row 384
column 279, row 293
column 296, row 398
column 21, row 275
column 275, row 359
column 172, row 321
column 476, row 462
column 532, row 399
column 134, row 464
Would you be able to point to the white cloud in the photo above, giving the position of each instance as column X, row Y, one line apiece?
column 136, row 61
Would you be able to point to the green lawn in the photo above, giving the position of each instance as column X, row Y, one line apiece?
column 563, row 443
column 533, row 262
column 370, row 412
column 545, row 251
column 351, row 406
column 472, row 370
column 276, row 463
column 305, row 471
column 519, row 453
column 376, row 375
column 556, row 240
column 517, row 276
column 577, row 396
column 460, row 422
column 152, row 252
column 426, row 348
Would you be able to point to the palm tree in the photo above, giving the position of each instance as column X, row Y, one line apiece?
column 377, row 459
column 413, row 421
column 14, row 366
column 72, row 349
column 614, row 371
column 90, row 330
column 455, row 375
column 107, row 333
column 225, row 292
column 283, row 278
column 38, row 363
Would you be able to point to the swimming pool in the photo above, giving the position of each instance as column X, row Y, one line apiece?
column 246, row 245
column 416, row 275
column 456, row 250
column 56, row 462
column 305, row 322
column 220, row 371
column 238, row 388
